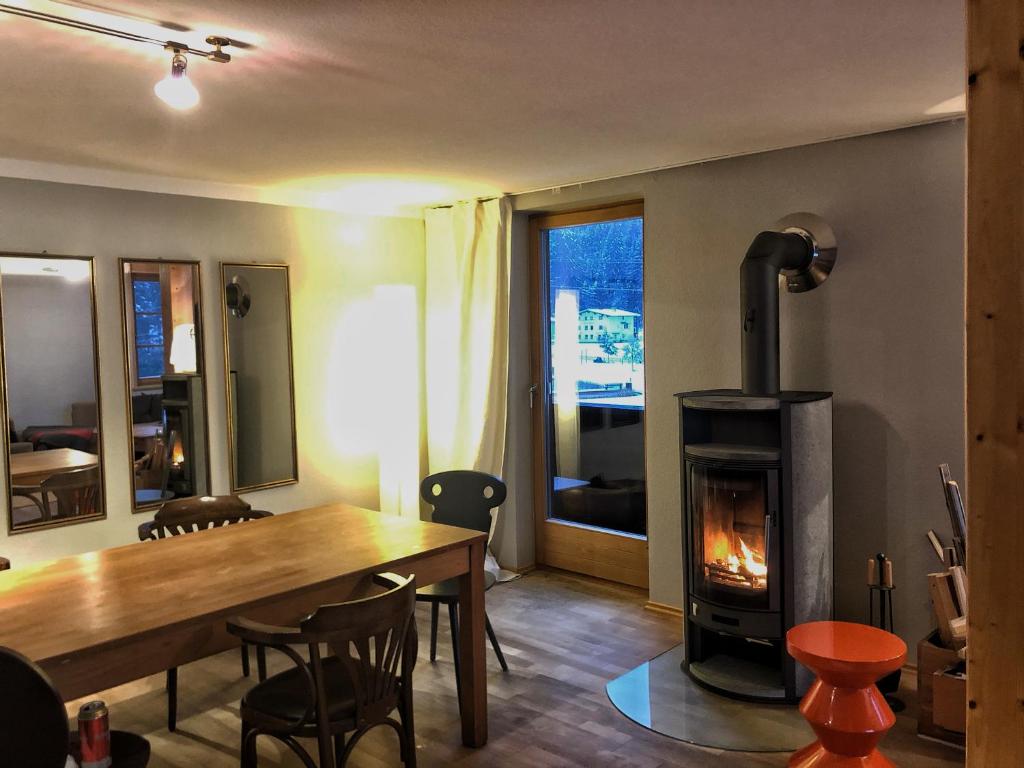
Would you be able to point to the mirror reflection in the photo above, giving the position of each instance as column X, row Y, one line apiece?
column 258, row 353
column 51, row 391
column 166, row 381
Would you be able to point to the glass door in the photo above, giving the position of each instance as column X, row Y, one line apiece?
column 589, row 392
column 734, row 525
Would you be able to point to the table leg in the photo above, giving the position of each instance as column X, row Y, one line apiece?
column 472, row 662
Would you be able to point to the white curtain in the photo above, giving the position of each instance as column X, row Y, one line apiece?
column 466, row 335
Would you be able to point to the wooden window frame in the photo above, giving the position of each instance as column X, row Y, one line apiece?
column 612, row 555
column 149, row 382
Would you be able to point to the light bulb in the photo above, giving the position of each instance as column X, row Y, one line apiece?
column 176, row 90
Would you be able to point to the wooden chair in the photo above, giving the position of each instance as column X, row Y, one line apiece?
column 75, row 493
column 464, row 498
column 5, row 564
column 367, row 677
column 34, row 723
column 182, row 516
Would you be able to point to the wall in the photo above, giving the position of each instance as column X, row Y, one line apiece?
column 884, row 333
column 50, row 313
column 336, row 261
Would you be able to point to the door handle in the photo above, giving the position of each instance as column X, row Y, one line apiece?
column 533, row 392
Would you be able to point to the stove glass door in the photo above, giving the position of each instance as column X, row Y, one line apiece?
column 734, row 529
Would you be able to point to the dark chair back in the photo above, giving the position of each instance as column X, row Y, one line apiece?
column 375, row 640
column 76, row 492
column 198, row 513
column 33, row 722
column 463, row 497
column 5, row 564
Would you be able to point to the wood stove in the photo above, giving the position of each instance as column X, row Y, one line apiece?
column 757, row 489
column 757, row 517
column 184, row 426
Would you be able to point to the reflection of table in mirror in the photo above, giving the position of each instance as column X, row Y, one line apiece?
column 34, row 467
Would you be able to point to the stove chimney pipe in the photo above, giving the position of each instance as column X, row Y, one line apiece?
column 800, row 254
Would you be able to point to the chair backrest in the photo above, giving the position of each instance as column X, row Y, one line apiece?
column 198, row 513
column 463, row 497
column 77, row 492
column 5, row 564
column 375, row 640
column 33, row 721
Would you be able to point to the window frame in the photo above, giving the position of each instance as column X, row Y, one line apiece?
column 139, row 381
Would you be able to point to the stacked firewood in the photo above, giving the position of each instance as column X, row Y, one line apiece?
column 948, row 588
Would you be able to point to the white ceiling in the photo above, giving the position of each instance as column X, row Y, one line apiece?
column 340, row 100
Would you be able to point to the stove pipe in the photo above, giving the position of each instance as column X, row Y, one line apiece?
column 767, row 257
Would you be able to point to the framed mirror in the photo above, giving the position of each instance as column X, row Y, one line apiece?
column 256, row 305
column 51, row 391
column 161, row 304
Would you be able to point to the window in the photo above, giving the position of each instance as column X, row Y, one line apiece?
column 147, row 299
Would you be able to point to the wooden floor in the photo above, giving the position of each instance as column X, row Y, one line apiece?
column 564, row 637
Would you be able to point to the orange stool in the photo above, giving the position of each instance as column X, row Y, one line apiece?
column 844, row 706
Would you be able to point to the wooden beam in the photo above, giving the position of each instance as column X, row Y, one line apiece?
column 995, row 380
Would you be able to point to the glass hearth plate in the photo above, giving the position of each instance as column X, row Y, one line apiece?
column 661, row 697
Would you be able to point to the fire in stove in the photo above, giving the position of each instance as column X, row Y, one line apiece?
column 745, row 569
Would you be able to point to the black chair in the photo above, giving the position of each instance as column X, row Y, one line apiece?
column 198, row 513
column 34, row 723
column 368, row 676
column 464, row 498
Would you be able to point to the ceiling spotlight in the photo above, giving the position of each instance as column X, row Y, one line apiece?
column 176, row 89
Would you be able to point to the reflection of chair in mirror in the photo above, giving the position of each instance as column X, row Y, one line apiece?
column 17, row 445
column 75, row 493
column 183, row 516
column 153, row 471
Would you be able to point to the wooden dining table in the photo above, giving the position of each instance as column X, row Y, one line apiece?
column 103, row 618
column 35, row 466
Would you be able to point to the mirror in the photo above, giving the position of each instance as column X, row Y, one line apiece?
column 260, row 388
column 51, row 391
column 164, row 362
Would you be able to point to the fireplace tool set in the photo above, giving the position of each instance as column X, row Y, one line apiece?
column 880, row 582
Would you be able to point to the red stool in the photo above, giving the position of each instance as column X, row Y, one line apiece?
column 844, row 706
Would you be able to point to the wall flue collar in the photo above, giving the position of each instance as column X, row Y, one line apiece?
column 822, row 241
column 798, row 254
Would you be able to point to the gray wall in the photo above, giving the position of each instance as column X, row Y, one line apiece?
column 885, row 333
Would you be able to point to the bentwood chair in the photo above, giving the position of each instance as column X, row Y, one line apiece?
column 464, row 498
column 34, row 723
column 182, row 516
column 75, row 493
column 367, row 676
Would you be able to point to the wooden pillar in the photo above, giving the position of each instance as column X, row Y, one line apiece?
column 995, row 381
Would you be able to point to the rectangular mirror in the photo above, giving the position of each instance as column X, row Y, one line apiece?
column 164, row 363
column 260, row 389
column 51, row 391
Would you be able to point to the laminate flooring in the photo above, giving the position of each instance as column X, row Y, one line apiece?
column 564, row 636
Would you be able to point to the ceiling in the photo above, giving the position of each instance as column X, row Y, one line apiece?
column 337, row 102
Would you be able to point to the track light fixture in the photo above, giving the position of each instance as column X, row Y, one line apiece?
column 176, row 89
